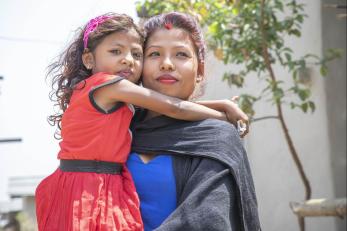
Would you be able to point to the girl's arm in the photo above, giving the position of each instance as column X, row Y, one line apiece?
column 128, row 92
column 234, row 114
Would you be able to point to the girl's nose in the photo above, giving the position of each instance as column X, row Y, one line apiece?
column 167, row 65
column 128, row 60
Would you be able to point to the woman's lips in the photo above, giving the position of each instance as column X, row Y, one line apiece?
column 167, row 79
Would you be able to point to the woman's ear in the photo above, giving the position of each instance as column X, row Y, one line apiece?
column 200, row 77
column 88, row 60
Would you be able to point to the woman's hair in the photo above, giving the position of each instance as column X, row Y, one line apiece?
column 69, row 69
column 182, row 21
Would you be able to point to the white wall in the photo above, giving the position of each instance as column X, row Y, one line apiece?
column 32, row 33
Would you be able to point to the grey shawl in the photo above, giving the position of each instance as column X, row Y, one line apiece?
column 212, row 172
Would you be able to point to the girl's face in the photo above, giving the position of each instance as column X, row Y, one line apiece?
column 119, row 54
column 170, row 63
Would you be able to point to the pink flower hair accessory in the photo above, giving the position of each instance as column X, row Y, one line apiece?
column 92, row 25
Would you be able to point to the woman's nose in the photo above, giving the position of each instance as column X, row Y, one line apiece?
column 167, row 65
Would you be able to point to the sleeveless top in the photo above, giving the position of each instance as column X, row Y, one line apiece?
column 156, row 186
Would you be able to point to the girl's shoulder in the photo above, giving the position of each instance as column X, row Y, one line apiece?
column 95, row 81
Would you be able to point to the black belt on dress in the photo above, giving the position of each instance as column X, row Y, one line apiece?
column 91, row 166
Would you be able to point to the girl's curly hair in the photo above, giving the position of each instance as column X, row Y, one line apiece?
column 69, row 69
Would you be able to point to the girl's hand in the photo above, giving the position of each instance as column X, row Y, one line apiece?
column 236, row 116
column 232, row 111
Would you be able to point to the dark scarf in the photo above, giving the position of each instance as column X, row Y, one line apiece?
column 210, row 138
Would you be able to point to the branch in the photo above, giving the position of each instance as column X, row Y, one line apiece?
column 335, row 6
column 320, row 207
column 264, row 118
column 341, row 16
column 289, row 140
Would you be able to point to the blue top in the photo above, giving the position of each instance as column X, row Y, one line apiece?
column 155, row 183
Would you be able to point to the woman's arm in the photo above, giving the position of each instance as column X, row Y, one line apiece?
column 128, row 92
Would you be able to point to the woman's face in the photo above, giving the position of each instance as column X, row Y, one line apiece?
column 170, row 63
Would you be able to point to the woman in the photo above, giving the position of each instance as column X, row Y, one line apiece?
column 189, row 175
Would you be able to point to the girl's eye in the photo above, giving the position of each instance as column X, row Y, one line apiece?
column 182, row 54
column 138, row 55
column 154, row 54
column 116, row 51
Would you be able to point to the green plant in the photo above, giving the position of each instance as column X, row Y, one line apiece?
column 250, row 33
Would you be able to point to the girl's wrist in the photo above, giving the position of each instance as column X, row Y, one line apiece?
column 224, row 116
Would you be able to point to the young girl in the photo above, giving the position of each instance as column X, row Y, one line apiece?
column 97, row 80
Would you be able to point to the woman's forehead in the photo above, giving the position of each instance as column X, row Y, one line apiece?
column 174, row 34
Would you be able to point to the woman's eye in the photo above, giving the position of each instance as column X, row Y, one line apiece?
column 182, row 54
column 116, row 51
column 138, row 55
column 154, row 54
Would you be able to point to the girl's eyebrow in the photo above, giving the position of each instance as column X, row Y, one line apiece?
column 121, row 45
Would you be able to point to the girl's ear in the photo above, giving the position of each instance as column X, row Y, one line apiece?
column 88, row 60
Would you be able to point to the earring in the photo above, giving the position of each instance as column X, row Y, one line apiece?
column 198, row 79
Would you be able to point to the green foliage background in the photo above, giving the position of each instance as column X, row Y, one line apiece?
column 238, row 31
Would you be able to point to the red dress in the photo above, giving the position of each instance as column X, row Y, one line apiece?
column 90, row 201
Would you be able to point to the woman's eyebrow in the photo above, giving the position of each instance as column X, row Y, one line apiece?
column 157, row 46
column 117, row 44
column 153, row 46
column 181, row 46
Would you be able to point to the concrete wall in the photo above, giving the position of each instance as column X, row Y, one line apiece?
column 276, row 178
column 334, row 35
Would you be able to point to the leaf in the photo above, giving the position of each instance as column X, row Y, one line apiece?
column 246, row 103
column 324, row 70
column 295, row 32
column 288, row 57
column 295, row 74
column 304, row 107
column 203, row 12
column 218, row 53
column 235, row 11
column 304, row 94
column 312, row 106
column 213, row 28
column 292, row 105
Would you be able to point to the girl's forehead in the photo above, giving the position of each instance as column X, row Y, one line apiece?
column 126, row 36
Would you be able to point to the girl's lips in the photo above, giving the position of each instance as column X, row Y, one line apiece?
column 125, row 73
column 167, row 79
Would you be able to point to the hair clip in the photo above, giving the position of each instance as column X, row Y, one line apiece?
column 92, row 25
column 168, row 25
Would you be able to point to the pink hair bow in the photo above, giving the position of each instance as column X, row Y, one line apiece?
column 92, row 25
